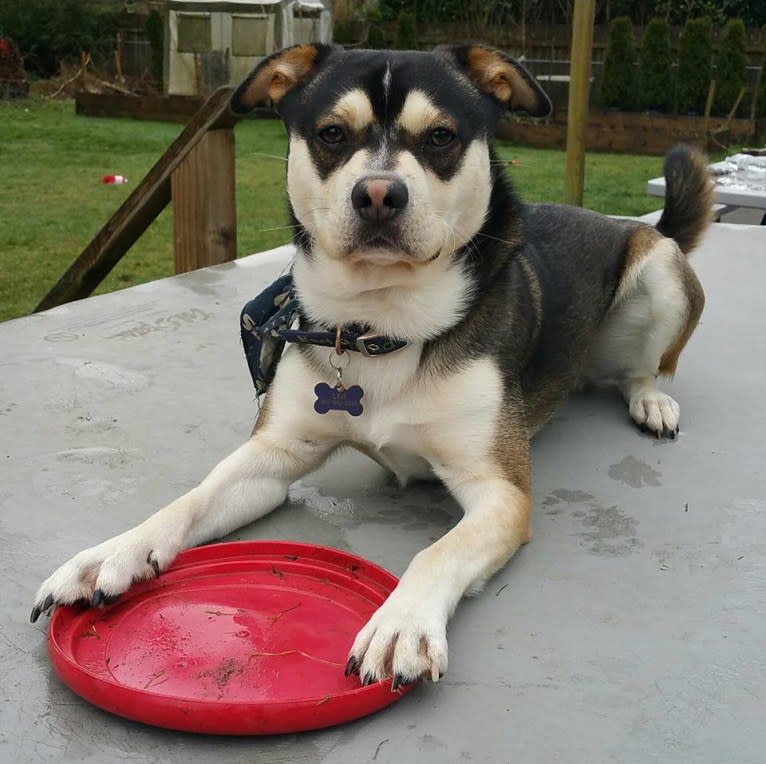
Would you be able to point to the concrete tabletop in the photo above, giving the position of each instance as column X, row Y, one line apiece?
column 631, row 629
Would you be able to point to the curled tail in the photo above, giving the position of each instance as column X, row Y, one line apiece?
column 688, row 197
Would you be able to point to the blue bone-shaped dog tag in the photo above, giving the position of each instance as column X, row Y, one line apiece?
column 338, row 399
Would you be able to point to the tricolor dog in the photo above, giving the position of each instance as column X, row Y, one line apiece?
column 460, row 319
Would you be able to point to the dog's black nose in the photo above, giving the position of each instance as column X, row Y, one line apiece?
column 378, row 199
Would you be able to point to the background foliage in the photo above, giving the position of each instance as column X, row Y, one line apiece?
column 49, row 31
column 640, row 12
column 694, row 65
column 618, row 87
column 730, row 67
column 654, row 75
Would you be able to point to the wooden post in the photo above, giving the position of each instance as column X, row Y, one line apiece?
column 204, row 209
column 579, row 94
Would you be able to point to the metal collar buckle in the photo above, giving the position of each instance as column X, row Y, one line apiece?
column 377, row 344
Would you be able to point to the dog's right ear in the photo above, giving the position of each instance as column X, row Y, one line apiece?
column 276, row 75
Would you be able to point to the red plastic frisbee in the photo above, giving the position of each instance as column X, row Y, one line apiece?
column 244, row 638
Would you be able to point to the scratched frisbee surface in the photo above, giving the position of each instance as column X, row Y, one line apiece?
column 243, row 638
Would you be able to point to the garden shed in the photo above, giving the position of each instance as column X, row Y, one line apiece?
column 217, row 42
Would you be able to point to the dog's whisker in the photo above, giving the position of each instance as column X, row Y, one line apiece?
column 278, row 228
column 262, row 154
column 495, row 238
column 507, row 163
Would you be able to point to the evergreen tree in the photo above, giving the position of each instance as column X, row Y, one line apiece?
column 655, row 76
column 694, row 66
column 406, row 32
column 618, row 87
column 730, row 68
column 760, row 96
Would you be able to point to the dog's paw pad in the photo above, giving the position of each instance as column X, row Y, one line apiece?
column 655, row 412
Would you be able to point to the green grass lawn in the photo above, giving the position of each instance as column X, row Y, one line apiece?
column 52, row 202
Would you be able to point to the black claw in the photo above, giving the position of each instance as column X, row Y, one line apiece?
column 98, row 598
column 111, row 599
column 399, row 680
column 38, row 610
column 350, row 666
column 365, row 680
column 153, row 562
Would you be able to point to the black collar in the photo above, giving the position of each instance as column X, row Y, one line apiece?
column 267, row 323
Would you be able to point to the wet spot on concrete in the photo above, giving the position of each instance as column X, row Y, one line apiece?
column 415, row 517
column 635, row 473
column 563, row 495
column 609, row 531
column 573, row 497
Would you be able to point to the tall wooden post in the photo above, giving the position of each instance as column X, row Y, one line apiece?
column 204, row 208
column 579, row 94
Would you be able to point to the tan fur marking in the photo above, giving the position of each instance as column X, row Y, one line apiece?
column 492, row 74
column 640, row 244
column 279, row 76
column 696, row 297
column 420, row 113
column 353, row 109
column 510, row 448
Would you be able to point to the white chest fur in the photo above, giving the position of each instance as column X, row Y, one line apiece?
column 410, row 418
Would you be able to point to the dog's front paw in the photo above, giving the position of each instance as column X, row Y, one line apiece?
column 655, row 412
column 402, row 640
column 101, row 573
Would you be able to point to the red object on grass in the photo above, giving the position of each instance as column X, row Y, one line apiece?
column 114, row 180
column 242, row 638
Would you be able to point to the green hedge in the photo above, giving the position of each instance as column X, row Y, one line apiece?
column 618, row 87
column 730, row 67
column 406, row 32
column 655, row 88
column 760, row 96
column 694, row 66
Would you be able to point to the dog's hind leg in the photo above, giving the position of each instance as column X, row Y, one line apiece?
column 246, row 485
column 657, row 306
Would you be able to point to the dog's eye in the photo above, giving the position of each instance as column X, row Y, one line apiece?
column 332, row 135
column 441, row 137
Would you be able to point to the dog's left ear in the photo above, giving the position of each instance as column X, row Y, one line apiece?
column 498, row 75
column 277, row 75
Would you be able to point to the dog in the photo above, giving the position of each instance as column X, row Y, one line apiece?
column 458, row 320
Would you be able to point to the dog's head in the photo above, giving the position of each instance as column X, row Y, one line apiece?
column 389, row 159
